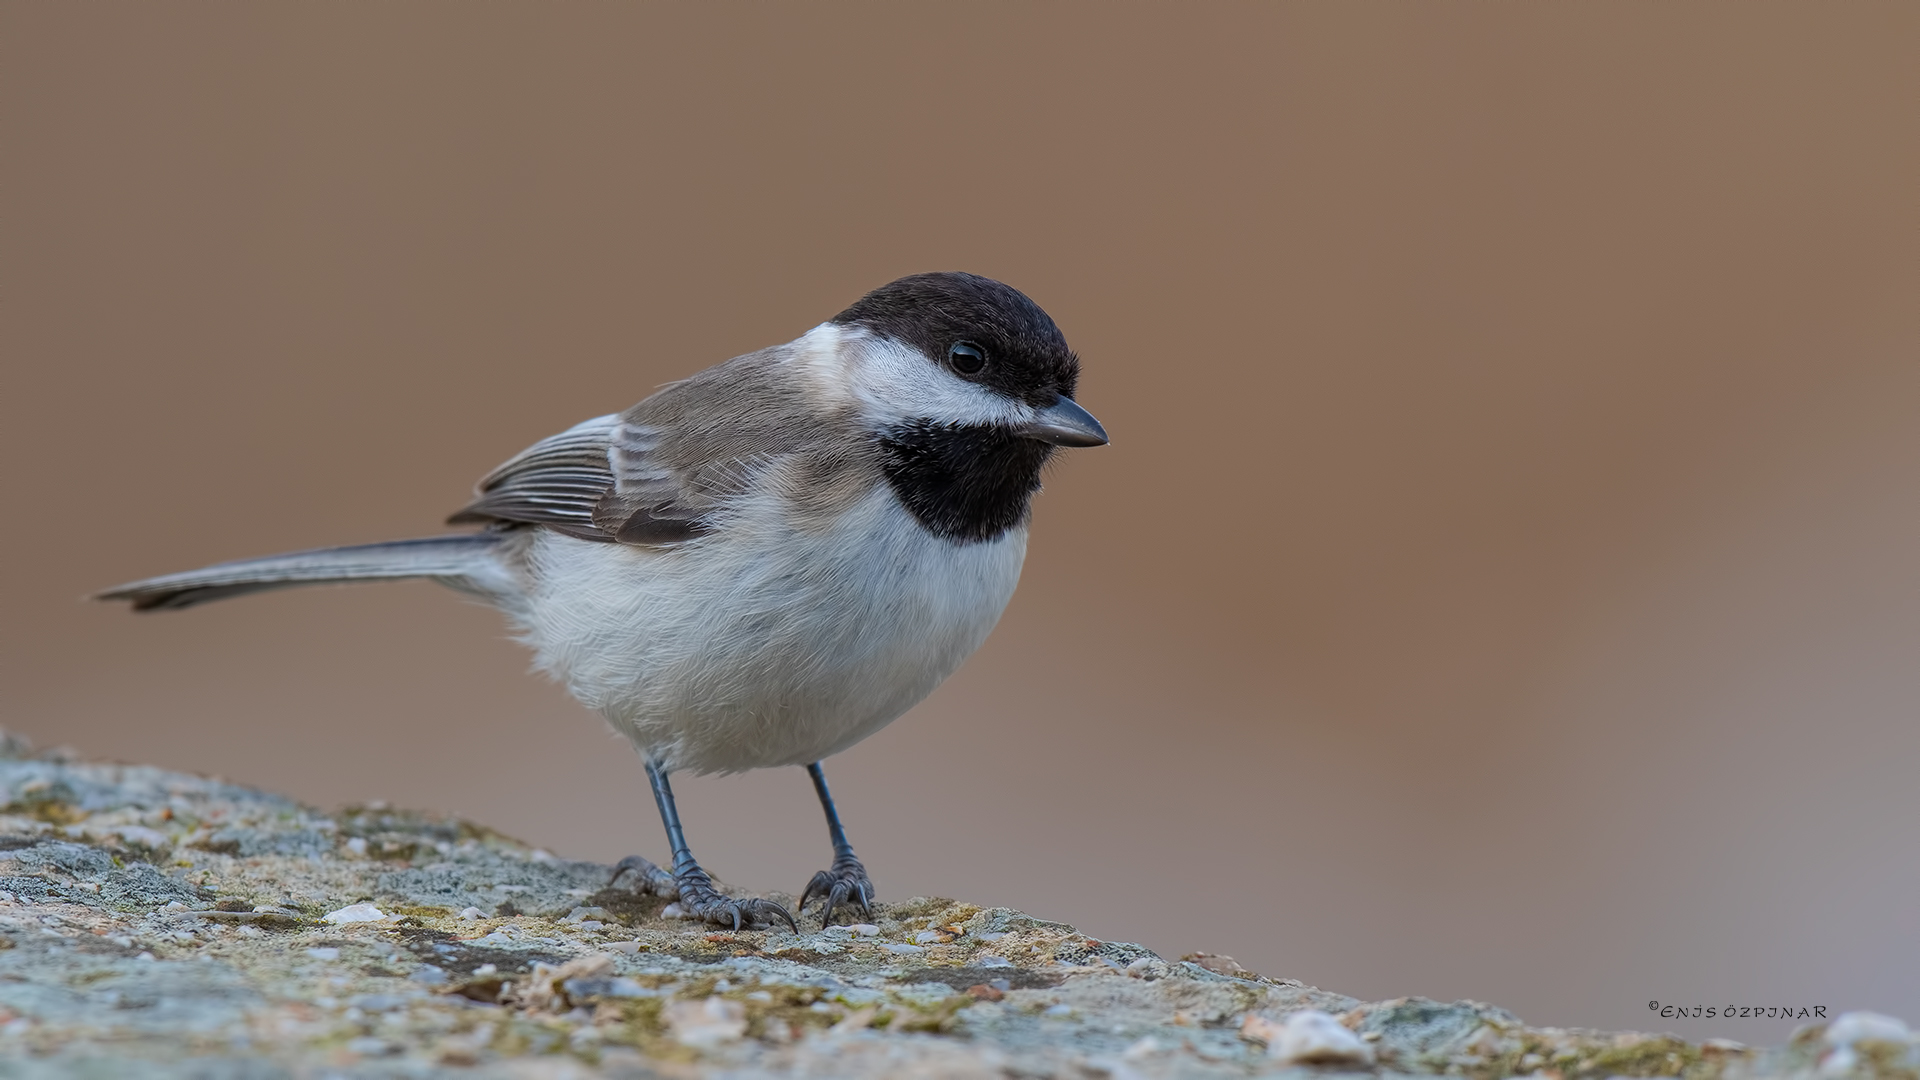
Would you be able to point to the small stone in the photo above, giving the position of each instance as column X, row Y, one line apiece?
column 485, row 970
column 1057, row 1012
column 865, row 929
column 857, row 1020
column 1853, row 1027
column 355, row 913
column 358, row 846
column 1218, row 964
column 143, row 836
column 905, row 950
column 324, row 952
column 1308, row 1037
column 472, row 914
column 545, row 986
column 926, row 937
column 706, row 1024
column 985, row 992
column 625, row 948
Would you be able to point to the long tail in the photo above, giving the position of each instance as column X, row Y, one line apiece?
column 465, row 562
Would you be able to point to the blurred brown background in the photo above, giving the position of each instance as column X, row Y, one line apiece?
column 1504, row 583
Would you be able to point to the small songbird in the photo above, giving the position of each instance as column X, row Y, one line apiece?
column 767, row 562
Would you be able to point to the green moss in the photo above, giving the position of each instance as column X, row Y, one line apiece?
column 1635, row 1056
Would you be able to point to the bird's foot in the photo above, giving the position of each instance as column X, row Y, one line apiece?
column 844, row 886
column 653, row 880
column 700, row 900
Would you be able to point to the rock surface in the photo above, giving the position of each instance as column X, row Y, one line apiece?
column 165, row 925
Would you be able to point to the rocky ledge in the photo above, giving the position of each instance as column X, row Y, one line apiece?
column 165, row 925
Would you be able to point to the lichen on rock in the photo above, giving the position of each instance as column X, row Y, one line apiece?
column 165, row 925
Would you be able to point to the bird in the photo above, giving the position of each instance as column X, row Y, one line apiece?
column 764, row 563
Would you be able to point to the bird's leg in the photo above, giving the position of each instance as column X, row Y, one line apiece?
column 846, row 883
column 695, row 890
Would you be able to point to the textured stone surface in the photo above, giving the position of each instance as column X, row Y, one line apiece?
column 159, row 924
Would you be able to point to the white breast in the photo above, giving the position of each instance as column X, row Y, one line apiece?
column 762, row 645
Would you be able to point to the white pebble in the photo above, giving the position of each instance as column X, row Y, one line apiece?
column 1308, row 1037
column 485, row 970
column 1841, row 1059
column 865, row 929
column 355, row 913
column 1058, row 1011
column 706, row 1024
column 989, row 936
column 627, row 948
column 894, row 947
column 144, row 956
column 926, row 936
column 1853, row 1027
column 592, row 924
column 123, row 941
column 325, row 952
column 140, row 834
column 358, row 845
column 542, row 855
column 472, row 914
column 673, row 911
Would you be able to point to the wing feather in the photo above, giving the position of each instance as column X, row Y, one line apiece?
column 662, row 472
column 555, row 482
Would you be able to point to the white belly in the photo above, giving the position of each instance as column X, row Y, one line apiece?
column 760, row 645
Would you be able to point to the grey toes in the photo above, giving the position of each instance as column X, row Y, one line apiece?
column 845, row 885
column 751, row 913
column 701, row 900
column 653, row 880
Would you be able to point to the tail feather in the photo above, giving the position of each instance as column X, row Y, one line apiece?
column 464, row 561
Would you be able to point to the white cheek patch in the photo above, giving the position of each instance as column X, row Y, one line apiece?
column 819, row 357
column 895, row 382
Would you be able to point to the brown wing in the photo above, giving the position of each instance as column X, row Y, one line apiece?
column 656, row 474
column 555, row 482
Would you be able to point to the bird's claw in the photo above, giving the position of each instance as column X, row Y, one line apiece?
column 700, row 900
column 653, row 880
column 845, row 884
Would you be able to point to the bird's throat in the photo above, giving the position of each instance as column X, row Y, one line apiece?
column 966, row 484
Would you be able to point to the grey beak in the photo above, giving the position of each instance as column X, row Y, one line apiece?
column 1064, row 423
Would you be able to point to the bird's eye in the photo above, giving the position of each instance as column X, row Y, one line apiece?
column 967, row 358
